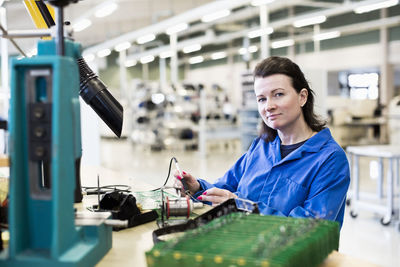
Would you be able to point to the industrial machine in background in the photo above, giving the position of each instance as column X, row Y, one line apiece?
column 45, row 152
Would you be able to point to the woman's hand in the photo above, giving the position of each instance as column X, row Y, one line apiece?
column 192, row 184
column 216, row 195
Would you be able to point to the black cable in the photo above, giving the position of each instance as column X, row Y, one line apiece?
column 166, row 180
column 44, row 11
column 169, row 172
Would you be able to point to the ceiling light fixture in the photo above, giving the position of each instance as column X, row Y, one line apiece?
column 309, row 21
column 122, row 46
column 130, row 63
column 195, row 60
column 177, row 28
column 216, row 15
column 146, row 59
column 81, row 25
column 166, row 54
column 146, row 38
column 191, row 48
column 252, row 49
column 260, row 32
column 283, row 43
column 242, row 50
column 326, row 35
column 218, row 55
column 105, row 9
column 375, row 6
column 261, row 2
column 104, row 52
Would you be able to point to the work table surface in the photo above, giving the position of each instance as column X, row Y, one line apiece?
column 129, row 245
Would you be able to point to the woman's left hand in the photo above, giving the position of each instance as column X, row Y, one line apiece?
column 216, row 196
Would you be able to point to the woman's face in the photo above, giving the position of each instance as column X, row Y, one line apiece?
column 279, row 104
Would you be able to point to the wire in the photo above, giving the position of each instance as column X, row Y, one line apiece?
column 169, row 172
column 166, row 180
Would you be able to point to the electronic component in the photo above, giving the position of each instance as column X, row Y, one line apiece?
column 241, row 239
column 176, row 207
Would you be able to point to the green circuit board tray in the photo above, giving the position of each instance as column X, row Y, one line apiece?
column 238, row 239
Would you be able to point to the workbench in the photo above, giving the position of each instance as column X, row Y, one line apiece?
column 129, row 245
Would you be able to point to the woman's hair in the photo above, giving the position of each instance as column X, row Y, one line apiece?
column 282, row 65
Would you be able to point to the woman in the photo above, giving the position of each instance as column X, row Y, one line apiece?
column 294, row 168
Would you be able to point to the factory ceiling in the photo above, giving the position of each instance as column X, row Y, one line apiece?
column 132, row 19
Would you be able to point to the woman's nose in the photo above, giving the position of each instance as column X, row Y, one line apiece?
column 269, row 105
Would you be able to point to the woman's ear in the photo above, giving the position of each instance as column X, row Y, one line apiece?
column 303, row 96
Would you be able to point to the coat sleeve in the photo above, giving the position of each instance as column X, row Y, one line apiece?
column 231, row 178
column 327, row 193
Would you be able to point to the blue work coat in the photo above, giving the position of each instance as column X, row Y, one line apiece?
column 311, row 181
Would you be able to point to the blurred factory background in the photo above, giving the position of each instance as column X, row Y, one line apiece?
column 182, row 69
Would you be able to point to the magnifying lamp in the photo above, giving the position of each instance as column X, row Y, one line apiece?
column 96, row 95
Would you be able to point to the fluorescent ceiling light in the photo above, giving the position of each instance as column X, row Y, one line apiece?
column 105, row 9
column 146, row 59
column 218, row 55
column 261, row 2
column 309, row 21
column 81, row 25
column 253, row 49
column 326, row 35
column 146, row 38
column 177, row 28
column 250, row 49
column 260, row 32
column 130, row 63
column 122, row 46
column 195, row 60
column 89, row 57
column 166, row 54
column 380, row 5
column 104, row 52
column 283, row 43
column 242, row 50
column 191, row 48
column 216, row 15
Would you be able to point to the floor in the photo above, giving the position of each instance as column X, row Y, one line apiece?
column 362, row 237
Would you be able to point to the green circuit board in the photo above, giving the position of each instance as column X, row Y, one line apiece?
column 150, row 200
column 238, row 239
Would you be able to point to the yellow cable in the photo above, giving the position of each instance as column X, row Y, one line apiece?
column 36, row 16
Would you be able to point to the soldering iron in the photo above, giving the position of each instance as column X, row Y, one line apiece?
column 183, row 181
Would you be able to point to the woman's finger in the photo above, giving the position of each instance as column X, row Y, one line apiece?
column 213, row 199
column 214, row 192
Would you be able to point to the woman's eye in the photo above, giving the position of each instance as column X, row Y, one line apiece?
column 279, row 94
column 261, row 99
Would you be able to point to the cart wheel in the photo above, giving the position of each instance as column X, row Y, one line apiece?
column 348, row 202
column 353, row 214
column 385, row 222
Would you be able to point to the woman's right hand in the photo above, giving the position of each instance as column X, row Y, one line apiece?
column 192, row 184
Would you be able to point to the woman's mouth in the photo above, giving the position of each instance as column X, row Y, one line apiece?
column 272, row 116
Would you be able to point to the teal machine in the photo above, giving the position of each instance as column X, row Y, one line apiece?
column 45, row 152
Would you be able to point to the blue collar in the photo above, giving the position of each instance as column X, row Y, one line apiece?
column 312, row 145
